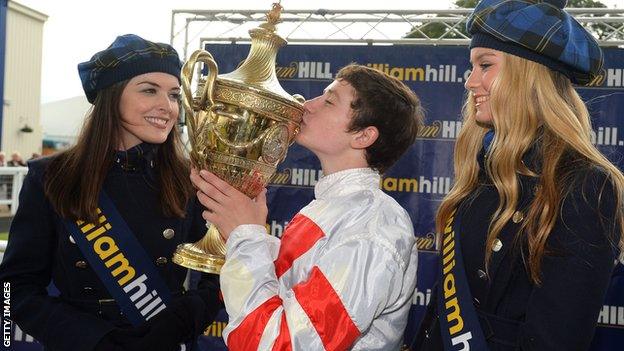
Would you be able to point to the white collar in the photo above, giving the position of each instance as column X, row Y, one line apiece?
column 347, row 181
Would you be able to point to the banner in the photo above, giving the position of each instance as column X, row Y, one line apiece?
column 424, row 174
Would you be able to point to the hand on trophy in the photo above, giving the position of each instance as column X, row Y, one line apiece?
column 240, row 125
column 226, row 207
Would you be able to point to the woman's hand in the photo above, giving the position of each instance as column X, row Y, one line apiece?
column 226, row 207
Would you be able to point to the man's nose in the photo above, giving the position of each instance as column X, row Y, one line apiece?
column 310, row 105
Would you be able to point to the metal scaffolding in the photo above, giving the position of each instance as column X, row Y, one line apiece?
column 192, row 28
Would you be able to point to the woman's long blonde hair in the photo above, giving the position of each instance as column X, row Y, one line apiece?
column 530, row 103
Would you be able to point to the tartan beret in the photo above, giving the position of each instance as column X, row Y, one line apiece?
column 128, row 56
column 540, row 31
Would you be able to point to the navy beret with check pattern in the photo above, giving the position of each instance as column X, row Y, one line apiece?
column 128, row 56
column 539, row 31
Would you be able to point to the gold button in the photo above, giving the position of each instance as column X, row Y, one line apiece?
column 517, row 217
column 81, row 264
column 71, row 239
column 161, row 261
column 168, row 233
column 497, row 245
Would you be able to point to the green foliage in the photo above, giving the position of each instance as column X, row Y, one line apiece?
column 588, row 4
column 466, row 4
column 599, row 30
column 440, row 30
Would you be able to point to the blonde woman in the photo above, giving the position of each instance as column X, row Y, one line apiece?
column 531, row 228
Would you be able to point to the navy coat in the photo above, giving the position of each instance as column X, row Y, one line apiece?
column 514, row 313
column 40, row 251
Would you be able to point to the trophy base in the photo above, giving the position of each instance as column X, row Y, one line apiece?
column 190, row 256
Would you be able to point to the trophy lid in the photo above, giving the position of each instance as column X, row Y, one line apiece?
column 257, row 72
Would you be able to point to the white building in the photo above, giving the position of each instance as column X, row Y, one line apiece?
column 62, row 120
column 21, row 111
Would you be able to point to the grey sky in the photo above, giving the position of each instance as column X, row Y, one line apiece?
column 75, row 30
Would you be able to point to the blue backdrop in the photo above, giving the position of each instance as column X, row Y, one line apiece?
column 423, row 176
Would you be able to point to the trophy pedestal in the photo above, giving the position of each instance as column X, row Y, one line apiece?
column 206, row 255
column 191, row 256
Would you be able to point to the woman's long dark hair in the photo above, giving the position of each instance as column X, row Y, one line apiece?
column 74, row 177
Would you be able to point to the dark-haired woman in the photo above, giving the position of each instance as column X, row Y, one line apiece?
column 101, row 220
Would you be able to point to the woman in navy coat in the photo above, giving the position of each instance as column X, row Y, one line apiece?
column 128, row 151
column 535, row 214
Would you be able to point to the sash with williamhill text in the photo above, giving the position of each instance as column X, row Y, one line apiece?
column 459, row 324
column 121, row 263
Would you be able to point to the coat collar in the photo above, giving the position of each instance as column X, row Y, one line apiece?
column 531, row 159
column 346, row 182
column 139, row 157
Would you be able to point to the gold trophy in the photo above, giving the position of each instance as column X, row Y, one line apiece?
column 240, row 125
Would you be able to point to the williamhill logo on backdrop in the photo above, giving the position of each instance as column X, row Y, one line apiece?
column 449, row 130
column 323, row 71
column 611, row 316
column 305, row 70
column 427, row 73
column 307, row 178
column 440, row 129
column 615, row 78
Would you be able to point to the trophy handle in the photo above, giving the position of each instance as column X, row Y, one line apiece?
column 203, row 100
column 296, row 128
column 299, row 98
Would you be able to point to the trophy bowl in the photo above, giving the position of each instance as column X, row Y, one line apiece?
column 240, row 126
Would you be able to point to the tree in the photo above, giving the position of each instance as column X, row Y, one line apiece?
column 437, row 30
column 440, row 30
